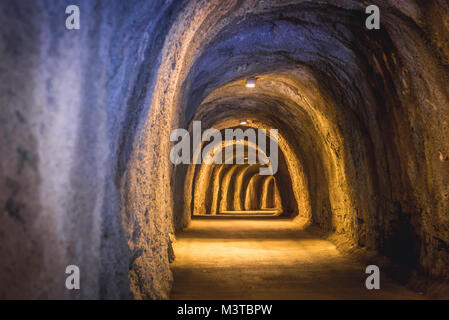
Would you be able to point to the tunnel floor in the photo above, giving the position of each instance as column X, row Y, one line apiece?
column 267, row 259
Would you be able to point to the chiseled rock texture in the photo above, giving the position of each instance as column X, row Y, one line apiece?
column 86, row 117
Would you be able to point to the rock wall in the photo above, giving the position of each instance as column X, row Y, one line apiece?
column 86, row 117
column 72, row 104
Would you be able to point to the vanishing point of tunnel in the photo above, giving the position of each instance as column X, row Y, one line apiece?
column 112, row 162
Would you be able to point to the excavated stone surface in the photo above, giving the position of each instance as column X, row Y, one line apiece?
column 86, row 117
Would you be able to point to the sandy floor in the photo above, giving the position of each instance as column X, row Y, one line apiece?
column 267, row 259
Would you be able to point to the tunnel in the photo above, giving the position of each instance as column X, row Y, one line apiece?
column 357, row 118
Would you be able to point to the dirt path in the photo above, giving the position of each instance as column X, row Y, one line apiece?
column 267, row 259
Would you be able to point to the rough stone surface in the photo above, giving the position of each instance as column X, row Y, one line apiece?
column 86, row 117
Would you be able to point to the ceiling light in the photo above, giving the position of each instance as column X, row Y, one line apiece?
column 251, row 82
column 243, row 122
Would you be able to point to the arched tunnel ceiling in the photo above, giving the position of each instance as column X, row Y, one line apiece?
column 303, row 128
column 337, row 92
column 225, row 187
column 363, row 120
column 353, row 107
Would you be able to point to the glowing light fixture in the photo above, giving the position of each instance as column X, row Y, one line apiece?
column 243, row 122
column 251, row 82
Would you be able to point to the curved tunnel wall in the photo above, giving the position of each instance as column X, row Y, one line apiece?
column 221, row 188
column 364, row 115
